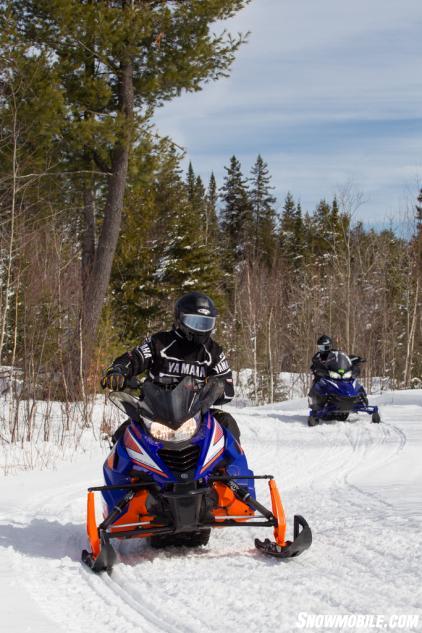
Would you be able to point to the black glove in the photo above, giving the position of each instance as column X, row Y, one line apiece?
column 113, row 380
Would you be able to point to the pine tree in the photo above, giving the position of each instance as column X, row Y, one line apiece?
column 323, row 226
column 191, row 183
column 117, row 61
column 417, row 242
column 236, row 215
column 264, row 214
column 186, row 261
column 419, row 213
column 212, row 230
column 292, row 231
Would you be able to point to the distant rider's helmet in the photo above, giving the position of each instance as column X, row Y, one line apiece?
column 325, row 344
column 195, row 316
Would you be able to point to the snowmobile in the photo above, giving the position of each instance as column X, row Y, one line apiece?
column 337, row 392
column 175, row 474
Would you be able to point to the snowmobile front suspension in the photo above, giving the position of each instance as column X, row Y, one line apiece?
column 102, row 555
column 302, row 539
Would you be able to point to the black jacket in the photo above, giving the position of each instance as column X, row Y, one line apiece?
column 318, row 361
column 168, row 355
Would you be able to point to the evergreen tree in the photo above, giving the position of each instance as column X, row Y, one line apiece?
column 236, row 215
column 212, row 232
column 292, row 230
column 191, row 184
column 186, row 262
column 264, row 214
column 417, row 243
column 154, row 193
column 115, row 62
column 419, row 213
column 328, row 227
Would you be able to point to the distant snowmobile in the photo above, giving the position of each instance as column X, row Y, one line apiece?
column 175, row 474
column 336, row 393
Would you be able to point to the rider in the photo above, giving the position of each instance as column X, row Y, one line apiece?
column 186, row 350
column 318, row 367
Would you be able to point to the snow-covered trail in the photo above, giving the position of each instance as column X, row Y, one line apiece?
column 359, row 485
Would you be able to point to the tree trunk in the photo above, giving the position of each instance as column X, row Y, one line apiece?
column 88, row 235
column 97, row 282
column 9, row 266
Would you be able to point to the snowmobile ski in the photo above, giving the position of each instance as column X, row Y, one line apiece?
column 302, row 540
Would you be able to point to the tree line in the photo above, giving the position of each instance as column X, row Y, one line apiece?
column 280, row 275
column 101, row 229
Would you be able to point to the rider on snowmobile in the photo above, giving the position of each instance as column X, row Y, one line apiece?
column 186, row 350
column 318, row 364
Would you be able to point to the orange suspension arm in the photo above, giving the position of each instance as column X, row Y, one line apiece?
column 91, row 526
column 278, row 512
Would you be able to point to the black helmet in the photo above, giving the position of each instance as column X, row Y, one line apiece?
column 195, row 315
column 325, row 343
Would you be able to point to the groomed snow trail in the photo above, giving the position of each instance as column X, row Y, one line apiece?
column 358, row 484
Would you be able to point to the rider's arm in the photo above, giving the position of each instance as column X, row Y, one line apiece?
column 316, row 363
column 134, row 362
column 356, row 364
column 221, row 369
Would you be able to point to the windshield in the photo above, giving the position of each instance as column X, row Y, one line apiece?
column 168, row 404
column 338, row 361
column 171, row 404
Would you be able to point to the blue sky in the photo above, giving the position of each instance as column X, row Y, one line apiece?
column 329, row 92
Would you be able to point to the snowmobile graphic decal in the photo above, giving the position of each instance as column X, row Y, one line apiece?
column 215, row 448
column 139, row 455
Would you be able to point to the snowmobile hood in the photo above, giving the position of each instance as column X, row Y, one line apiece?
column 343, row 388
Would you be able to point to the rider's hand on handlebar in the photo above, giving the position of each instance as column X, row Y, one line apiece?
column 114, row 381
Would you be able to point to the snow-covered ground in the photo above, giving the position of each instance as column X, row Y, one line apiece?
column 359, row 485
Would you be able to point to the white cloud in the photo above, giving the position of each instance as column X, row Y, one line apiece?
column 327, row 91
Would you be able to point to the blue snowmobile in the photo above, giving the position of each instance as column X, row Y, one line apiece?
column 336, row 392
column 175, row 474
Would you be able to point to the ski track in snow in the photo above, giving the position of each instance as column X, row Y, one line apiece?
column 358, row 484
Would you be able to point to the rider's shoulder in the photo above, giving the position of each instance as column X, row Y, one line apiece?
column 215, row 349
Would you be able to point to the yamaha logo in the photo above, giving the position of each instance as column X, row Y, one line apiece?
column 203, row 310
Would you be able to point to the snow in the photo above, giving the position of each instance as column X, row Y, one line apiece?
column 358, row 484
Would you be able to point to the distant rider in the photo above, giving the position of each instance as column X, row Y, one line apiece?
column 185, row 350
column 318, row 367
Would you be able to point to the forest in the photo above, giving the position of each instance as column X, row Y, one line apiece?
column 102, row 227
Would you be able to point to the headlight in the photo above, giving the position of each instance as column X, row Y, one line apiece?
column 334, row 374
column 162, row 432
column 348, row 374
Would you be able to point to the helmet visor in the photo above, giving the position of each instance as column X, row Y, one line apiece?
column 198, row 322
column 324, row 348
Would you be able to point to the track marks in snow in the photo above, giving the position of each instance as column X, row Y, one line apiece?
column 363, row 558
